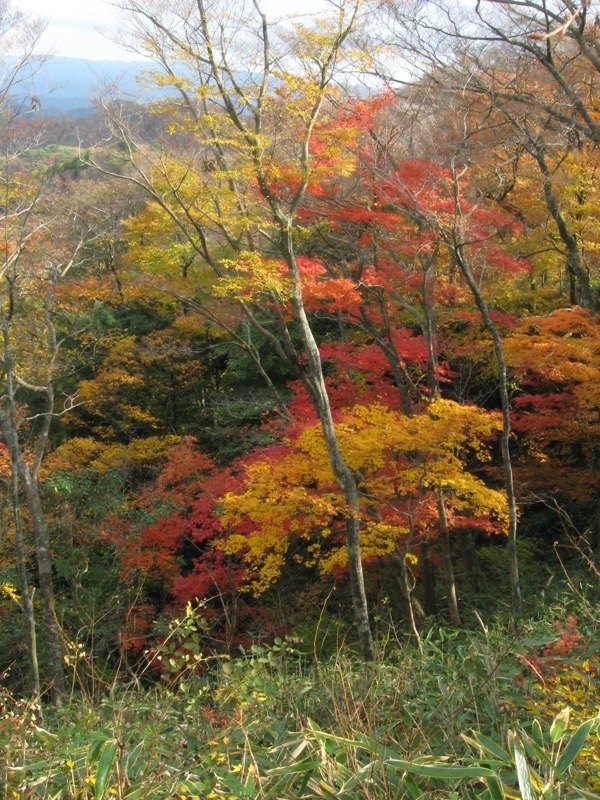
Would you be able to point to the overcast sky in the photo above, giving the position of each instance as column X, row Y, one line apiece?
column 82, row 28
column 76, row 28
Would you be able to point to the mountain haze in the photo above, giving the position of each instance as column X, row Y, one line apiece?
column 69, row 85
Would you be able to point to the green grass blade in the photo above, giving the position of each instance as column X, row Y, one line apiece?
column 443, row 771
column 234, row 784
column 410, row 790
column 494, row 788
column 537, row 733
column 105, row 764
column 575, row 744
column 585, row 795
column 523, row 776
column 487, row 745
column 535, row 752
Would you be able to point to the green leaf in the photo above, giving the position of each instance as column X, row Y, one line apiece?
column 535, row 752
column 226, row 667
column 42, row 733
column 105, row 763
column 551, row 793
column 537, row 733
column 442, row 771
column 560, row 724
column 585, row 795
column 234, row 784
column 494, row 788
column 132, row 764
column 323, row 789
column 575, row 744
column 523, row 776
column 95, row 749
column 193, row 786
column 36, row 766
column 141, row 793
column 297, row 767
column 410, row 790
column 488, row 745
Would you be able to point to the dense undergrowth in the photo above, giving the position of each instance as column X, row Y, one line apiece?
column 480, row 712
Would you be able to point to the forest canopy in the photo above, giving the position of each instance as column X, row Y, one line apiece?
column 322, row 316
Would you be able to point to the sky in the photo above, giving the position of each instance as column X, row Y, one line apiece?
column 82, row 28
column 77, row 28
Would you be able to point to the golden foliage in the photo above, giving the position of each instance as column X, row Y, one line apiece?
column 81, row 453
column 401, row 462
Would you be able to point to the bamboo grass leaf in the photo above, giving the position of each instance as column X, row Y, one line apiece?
column 523, row 775
column 575, row 744
column 105, row 764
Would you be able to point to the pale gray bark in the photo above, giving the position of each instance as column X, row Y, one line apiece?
column 449, row 579
column 27, row 476
column 344, row 475
column 465, row 267
column 26, row 593
column 578, row 274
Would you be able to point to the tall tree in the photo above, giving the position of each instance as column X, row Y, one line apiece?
column 20, row 197
column 240, row 151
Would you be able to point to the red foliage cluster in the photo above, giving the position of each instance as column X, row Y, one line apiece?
column 569, row 639
column 136, row 627
column 550, row 659
column 183, row 502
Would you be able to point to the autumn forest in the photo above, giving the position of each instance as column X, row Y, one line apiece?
column 299, row 367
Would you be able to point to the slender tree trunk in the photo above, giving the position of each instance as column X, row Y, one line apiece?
column 344, row 475
column 449, row 580
column 428, row 576
column 29, row 483
column 429, row 326
column 515, row 584
column 595, row 540
column 248, row 120
column 468, row 552
column 46, row 583
column 406, row 586
column 26, row 595
column 580, row 290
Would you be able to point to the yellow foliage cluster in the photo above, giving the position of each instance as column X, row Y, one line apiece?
column 119, row 393
column 250, row 275
column 577, row 191
column 10, row 591
column 81, row 453
column 401, row 462
column 577, row 686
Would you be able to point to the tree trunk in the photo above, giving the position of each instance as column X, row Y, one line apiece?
column 428, row 576
column 407, row 590
column 515, row 585
column 449, row 581
column 9, row 425
column 56, row 672
column 580, row 290
column 26, row 595
column 429, row 326
column 247, row 120
column 469, row 557
column 595, row 539
column 344, row 475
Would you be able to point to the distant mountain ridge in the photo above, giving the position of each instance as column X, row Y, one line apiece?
column 68, row 85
